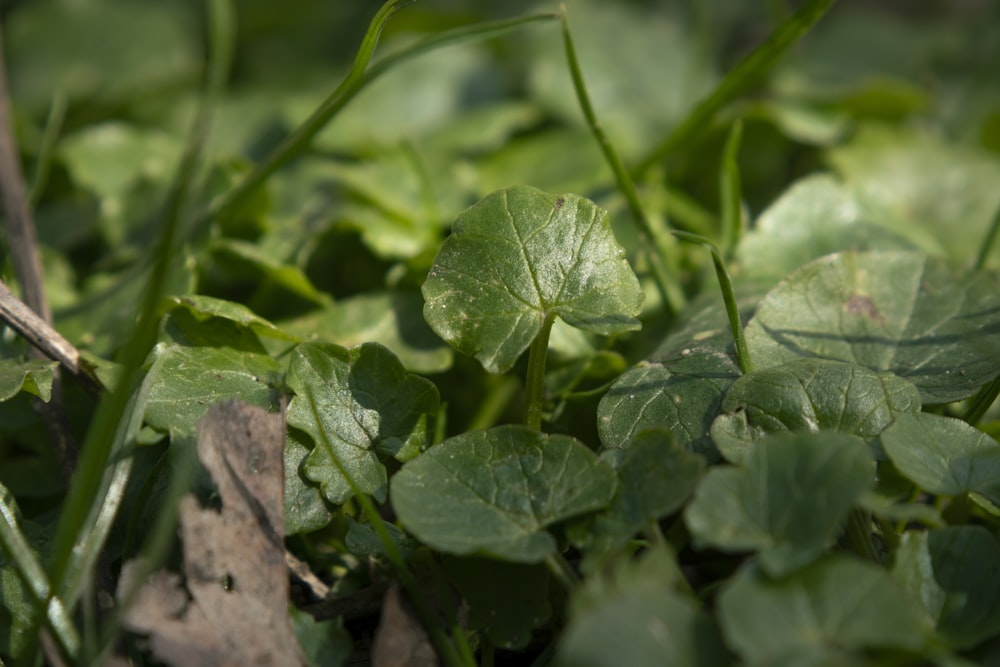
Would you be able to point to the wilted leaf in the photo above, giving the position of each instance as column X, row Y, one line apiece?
column 788, row 502
column 234, row 560
column 834, row 606
column 494, row 492
column 356, row 405
column 955, row 571
column 809, row 395
column 890, row 311
column 518, row 257
column 944, row 455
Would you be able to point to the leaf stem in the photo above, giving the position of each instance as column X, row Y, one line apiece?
column 731, row 191
column 981, row 402
column 534, row 385
column 728, row 296
column 987, row 245
column 562, row 570
column 858, row 535
column 669, row 287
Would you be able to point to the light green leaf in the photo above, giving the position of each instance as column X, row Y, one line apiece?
column 393, row 319
column 507, row 601
column 809, row 395
column 835, row 604
column 944, row 456
column 788, row 502
column 556, row 159
column 816, row 216
column 494, row 492
column 520, row 256
column 890, row 311
column 655, row 478
column 939, row 194
column 33, row 376
column 184, row 382
column 954, row 572
column 636, row 618
column 357, row 404
column 264, row 266
column 203, row 308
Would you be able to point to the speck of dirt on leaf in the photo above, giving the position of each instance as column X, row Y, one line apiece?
column 559, row 202
column 859, row 304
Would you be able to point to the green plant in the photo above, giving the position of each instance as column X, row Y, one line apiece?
column 778, row 451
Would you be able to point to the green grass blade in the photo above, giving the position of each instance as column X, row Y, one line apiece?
column 731, row 191
column 31, row 572
column 669, row 286
column 736, row 82
column 987, row 245
column 359, row 77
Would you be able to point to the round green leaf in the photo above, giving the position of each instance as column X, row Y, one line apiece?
column 356, row 404
column 787, row 502
column 944, row 455
column 520, row 256
column 834, row 603
column 809, row 395
column 954, row 571
column 494, row 492
column 890, row 311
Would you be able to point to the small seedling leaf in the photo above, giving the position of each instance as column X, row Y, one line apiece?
column 890, row 311
column 809, row 395
column 518, row 257
column 788, row 502
column 954, row 572
column 944, row 455
column 363, row 404
column 494, row 492
column 834, row 605
column 33, row 376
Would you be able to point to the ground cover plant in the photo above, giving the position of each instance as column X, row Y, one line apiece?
column 642, row 333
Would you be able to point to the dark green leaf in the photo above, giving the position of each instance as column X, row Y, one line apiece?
column 520, row 256
column 655, row 477
column 507, row 601
column 305, row 509
column 890, row 311
column 33, row 376
column 637, row 619
column 956, row 573
column 357, row 404
column 494, row 492
column 836, row 604
column 944, row 456
column 324, row 643
column 788, row 502
column 809, row 395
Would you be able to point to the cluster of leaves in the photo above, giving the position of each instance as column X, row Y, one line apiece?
column 800, row 471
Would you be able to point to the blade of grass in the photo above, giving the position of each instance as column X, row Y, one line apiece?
column 31, row 572
column 738, row 80
column 731, row 191
column 669, row 286
column 359, row 76
column 987, row 244
column 73, row 550
column 728, row 296
column 451, row 655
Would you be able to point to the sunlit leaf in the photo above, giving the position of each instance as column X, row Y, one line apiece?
column 33, row 376
column 520, row 256
column 890, row 311
column 495, row 492
column 357, row 404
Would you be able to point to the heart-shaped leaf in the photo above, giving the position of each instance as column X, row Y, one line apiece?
column 890, row 311
column 835, row 604
column 519, row 257
column 355, row 405
column 787, row 502
column 954, row 572
column 494, row 492
column 944, row 455
column 809, row 395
